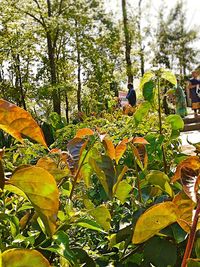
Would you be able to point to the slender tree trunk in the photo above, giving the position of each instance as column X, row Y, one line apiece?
column 78, row 70
column 127, row 43
column 18, row 82
column 66, row 107
column 22, row 94
column 140, row 39
column 52, row 64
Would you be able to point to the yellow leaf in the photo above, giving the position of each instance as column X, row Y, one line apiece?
column 102, row 216
column 50, row 165
column 185, row 207
column 153, row 220
column 16, row 121
column 23, row 257
column 41, row 189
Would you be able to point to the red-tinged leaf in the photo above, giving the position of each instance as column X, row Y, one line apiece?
column 191, row 162
column 190, row 180
column 84, row 132
column 140, row 140
column 110, row 149
column 140, row 153
column 17, row 122
column 41, row 189
column 120, row 149
column 55, row 151
column 24, row 220
column 185, row 207
column 74, row 149
column 153, row 220
column 23, row 257
column 2, row 151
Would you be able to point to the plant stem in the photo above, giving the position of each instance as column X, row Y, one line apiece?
column 160, row 125
column 138, row 181
column 191, row 238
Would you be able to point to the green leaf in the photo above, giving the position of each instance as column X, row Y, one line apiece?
column 148, row 91
column 122, row 235
column 153, row 220
column 123, row 190
column 160, row 252
column 23, row 257
column 176, row 122
column 169, row 76
column 41, row 189
column 105, row 172
column 89, row 224
column 83, row 257
column 179, row 234
column 86, row 170
column 102, row 216
column 146, row 78
column 193, row 263
column 62, row 246
column 161, row 180
column 141, row 111
column 197, row 247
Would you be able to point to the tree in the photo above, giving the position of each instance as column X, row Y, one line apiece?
column 127, row 42
column 173, row 41
column 47, row 15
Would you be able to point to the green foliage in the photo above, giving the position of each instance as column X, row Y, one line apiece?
column 103, row 194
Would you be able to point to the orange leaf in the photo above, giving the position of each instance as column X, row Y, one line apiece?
column 191, row 162
column 83, row 132
column 16, row 121
column 110, row 149
column 140, row 140
column 120, row 149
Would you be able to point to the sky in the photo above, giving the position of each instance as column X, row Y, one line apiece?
column 192, row 8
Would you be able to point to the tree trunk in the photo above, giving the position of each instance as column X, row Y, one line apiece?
column 52, row 64
column 140, row 39
column 66, row 107
column 18, row 82
column 127, row 43
column 78, row 70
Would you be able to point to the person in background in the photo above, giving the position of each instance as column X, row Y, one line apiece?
column 131, row 96
column 193, row 87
